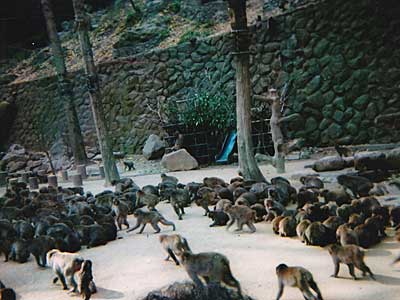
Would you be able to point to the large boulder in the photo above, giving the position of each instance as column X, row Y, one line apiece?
column 179, row 160
column 154, row 147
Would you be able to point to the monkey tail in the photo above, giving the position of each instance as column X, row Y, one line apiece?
column 166, row 222
column 186, row 244
column 50, row 254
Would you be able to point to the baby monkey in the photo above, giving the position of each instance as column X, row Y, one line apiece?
column 174, row 245
column 297, row 277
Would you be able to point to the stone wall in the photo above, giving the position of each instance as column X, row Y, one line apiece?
column 341, row 59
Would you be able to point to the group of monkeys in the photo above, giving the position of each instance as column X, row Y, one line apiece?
column 53, row 223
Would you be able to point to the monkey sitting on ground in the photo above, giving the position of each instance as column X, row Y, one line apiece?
column 219, row 218
column 129, row 165
column 20, row 251
column 213, row 182
column 275, row 224
column 301, row 228
column 86, row 285
column 287, row 227
column 346, row 235
column 242, row 215
column 170, row 179
column 352, row 256
column 174, row 245
column 143, row 199
column 152, row 217
column 65, row 265
column 297, row 277
column 359, row 186
column 260, row 211
column 6, row 293
column 120, row 211
column 211, row 267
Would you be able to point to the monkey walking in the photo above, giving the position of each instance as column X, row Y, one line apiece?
column 86, row 285
column 65, row 265
column 352, row 256
column 297, row 277
column 129, row 165
column 120, row 210
column 210, row 267
column 242, row 214
column 152, row 217
column 174, row 245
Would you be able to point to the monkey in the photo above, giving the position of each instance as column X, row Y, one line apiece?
column 339, row 195
column 355, row 220
column 6, row 293
column 345, row 211
column 219, row 218
column 297, row 277
column 86, row 285
column 301, row 228
column 250, row 198
column 367, row 234
column 211, row 267
column 86, row 220
column 352, row 256
column 39, row 248
column 305, row 196
column 20, row 251
column 92, row 235
column 120, row 210
column 242, row 201
column 312, row 181
column 238, row 192
column 224, row 193
column 358, row 185
column 174, row 245
column 192, row 188
column 275, row 224
column 221, row 204
column 206, row 196
column 395, row 215
column 64, row 265
column 171, row 179
column 319, row 235
column 260, row 211
column 272, row 205
column 152, row 217
column 179, row 142
column 143, row 199
column 129, row 165
column 213, row 182
column 242, row 215
column 260, row 189
column 24, row 230
column 346, row 235
column 179, row 199
column 287, row 227
column 342, row 151
column 333, row 222
column 5, row 248
column 151, row 189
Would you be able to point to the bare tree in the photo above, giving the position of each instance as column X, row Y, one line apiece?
column 74, row 131
column 247, row 163
column 82, row 26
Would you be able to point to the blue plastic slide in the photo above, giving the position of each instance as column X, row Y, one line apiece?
column 227, row 148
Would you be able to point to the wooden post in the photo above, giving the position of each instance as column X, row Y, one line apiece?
column 52, row 180
column 3, row 178
column 33, row 183
column 81, row 169
column 77, row 180
column 82, row 23
column 64, row 175
column 247, row 162
column 101, row 170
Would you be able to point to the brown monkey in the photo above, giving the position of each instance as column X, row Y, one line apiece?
column 120, row 210
column 297, row 277
column 352, row 256
column 152, row 217
column 6, row 293
column 213, row 182
column 149, row 200
column 65, row 265
column 174, row 245
column 287, row 227
column 275, row 224
column 359, row 186
column 355, row 220
column 179, row 199
column 242, row 215
column 211, row 267
column 206, row 196
column 171, row 179
column 260, row 211
column 221, row 204
column 333, row 222
column 86, row 285
column 346, row 235
column 301, row 228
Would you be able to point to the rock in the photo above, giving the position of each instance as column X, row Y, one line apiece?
column 154, row 147
column 332, row 163
column 179, row 160
column 14, row 166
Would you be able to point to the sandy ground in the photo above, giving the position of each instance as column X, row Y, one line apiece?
column 130, row 267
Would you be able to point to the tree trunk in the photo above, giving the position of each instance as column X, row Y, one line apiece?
column 82, row 26
column 74, row 131
column 247, row 163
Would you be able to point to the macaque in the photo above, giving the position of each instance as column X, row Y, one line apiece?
column 242, row 215
column 120, row 210
column 152, row 217
column 174, row 245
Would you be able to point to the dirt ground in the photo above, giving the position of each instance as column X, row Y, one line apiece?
column 130, row 267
